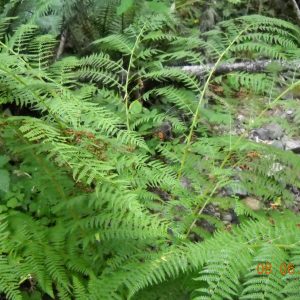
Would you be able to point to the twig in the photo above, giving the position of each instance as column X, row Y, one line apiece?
column 248, row 66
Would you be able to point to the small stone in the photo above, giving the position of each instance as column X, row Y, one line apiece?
column 269, row 132
column 274, row 131
column 252, row 203
column 209, row 210
column 227, row 218
column 293, row 145
column 217, row 215
column 289, row 115
column 206, row 225
column 278, row 144
column 261, row 133
column 195, row 237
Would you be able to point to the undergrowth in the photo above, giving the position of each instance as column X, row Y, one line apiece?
column 110, row 170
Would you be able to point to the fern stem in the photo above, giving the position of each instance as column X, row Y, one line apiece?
column 194, row 121
column 200, row 207
column 126, row 97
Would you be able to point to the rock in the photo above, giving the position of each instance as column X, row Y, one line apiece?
column 195, row 237
column 289, row 112
column 211, row 209
column 261, row 133
column 278, row 144
column 217, row 215
column 230, row 217
column 206, row 225
column 227, row 218
column 289, row 115
column 275, row 131
column 269, row 132
column 252, row 203
column 293, row 145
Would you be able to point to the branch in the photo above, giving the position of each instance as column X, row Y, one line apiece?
column 248, row 66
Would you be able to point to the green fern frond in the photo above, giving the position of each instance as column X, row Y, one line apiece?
column 175, row 74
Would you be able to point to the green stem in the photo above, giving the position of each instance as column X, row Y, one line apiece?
column 195, row 118
column 199, row 208
column 126, row 97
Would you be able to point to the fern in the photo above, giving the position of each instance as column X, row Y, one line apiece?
column 118, row 159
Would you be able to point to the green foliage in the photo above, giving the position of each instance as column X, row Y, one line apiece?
column 228, row 275
column 110, row 167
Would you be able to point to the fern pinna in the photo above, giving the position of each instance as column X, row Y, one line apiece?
column 96, row 206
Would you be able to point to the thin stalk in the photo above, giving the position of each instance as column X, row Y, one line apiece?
column 126, row 97
column 195, row 118
column 200, row 208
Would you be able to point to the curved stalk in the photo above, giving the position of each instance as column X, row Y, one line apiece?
column 195, row 118
column 126, row 96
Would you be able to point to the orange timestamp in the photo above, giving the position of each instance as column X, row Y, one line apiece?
column 265, row 268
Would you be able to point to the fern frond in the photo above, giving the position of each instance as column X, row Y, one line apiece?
column 175, row 74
